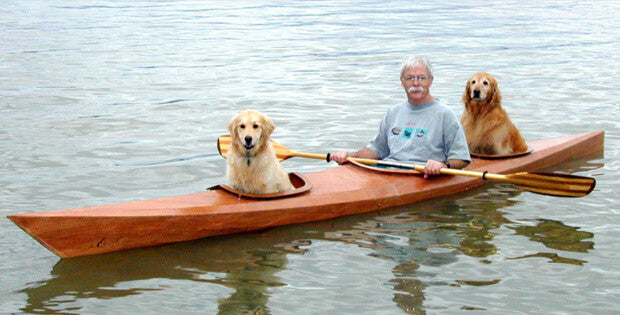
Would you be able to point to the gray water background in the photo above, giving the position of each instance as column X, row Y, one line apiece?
column 110, row 101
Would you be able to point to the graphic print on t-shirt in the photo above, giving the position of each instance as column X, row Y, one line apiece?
column 407, row 133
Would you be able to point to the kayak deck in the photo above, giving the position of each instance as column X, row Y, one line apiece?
column 335, row 192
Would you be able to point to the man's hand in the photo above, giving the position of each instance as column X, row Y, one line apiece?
column 432, row 167
column 339, row 157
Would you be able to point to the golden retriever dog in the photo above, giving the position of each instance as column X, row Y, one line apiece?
column 252, row 165
column 487, row 127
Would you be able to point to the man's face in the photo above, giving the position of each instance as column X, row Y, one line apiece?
column 417, row 83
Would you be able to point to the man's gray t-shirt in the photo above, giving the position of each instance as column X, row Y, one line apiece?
column 418, row 133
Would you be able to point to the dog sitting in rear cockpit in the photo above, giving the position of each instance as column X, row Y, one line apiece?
column 252, row 165
column 487, row 127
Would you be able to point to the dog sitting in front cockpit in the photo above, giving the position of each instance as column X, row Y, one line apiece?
column 252, row 165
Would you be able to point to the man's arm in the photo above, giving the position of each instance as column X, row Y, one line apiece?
column 458, row 164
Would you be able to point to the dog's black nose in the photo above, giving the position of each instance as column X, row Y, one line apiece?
column 248, row 140
column 476, row 93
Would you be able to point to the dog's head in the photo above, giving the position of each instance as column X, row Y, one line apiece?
column 250, row 131
column 482, row 87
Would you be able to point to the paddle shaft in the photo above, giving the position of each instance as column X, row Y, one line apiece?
column 328, row 159
column 542, row 183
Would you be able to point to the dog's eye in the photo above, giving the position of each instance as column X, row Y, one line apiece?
column 473, row 82
column 242, row 126
column 255, row 126
column 485, row 82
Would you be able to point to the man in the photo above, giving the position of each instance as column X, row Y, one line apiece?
column 421, row 130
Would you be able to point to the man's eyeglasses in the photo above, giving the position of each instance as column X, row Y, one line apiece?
column 420, row 78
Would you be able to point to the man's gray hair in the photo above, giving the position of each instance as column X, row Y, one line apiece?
column 415, row 61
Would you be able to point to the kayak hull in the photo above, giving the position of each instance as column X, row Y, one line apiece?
column 335, row 192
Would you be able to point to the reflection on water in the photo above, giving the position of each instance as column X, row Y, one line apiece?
column 429, row 234
column 554, row 234
column 248, row 267
column 554, row 258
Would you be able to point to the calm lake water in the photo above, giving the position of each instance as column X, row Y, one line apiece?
column 107, row 101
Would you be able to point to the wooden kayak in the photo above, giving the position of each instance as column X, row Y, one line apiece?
column 335, row 192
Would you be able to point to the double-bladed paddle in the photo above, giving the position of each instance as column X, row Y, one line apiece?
column 562, row 185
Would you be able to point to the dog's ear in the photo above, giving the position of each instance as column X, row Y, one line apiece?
column 268, row 126
column 496, row 98
column 466, row 94
column 232, row 124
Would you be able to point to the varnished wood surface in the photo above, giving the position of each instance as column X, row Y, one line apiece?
column 335, row 192
column 501, row 156
column 300, row 183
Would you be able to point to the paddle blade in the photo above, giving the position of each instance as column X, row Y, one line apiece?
column 561, row 185
column 224, row 143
